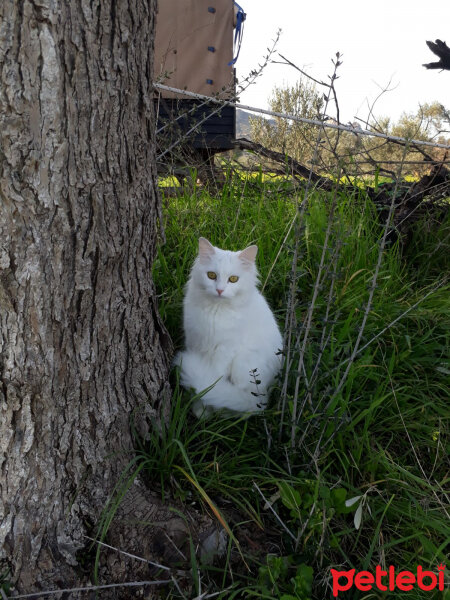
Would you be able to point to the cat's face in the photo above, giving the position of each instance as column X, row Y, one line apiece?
column 222, row 274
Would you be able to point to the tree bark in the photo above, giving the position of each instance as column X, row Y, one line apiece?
column 81, row 342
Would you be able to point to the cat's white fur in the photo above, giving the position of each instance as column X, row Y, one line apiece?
column 229, row 332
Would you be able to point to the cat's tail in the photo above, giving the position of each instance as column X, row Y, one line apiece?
column 195, row 373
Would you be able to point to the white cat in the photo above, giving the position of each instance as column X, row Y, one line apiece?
column 231, row 335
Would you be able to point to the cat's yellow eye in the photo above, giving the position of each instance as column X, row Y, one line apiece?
column 233, row 278
column 211, row 275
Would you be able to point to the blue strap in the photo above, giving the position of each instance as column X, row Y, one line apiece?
column 240, row 18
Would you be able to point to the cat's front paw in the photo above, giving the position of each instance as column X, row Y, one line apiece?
column 200, row 410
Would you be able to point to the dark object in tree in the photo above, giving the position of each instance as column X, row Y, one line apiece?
column 441, row 50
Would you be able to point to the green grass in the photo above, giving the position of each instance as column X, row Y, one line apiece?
column 240, row 216
column 381, row 435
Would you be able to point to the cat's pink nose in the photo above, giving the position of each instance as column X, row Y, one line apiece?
column 219, row 292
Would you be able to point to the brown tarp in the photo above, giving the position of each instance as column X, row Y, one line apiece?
column 185, row 29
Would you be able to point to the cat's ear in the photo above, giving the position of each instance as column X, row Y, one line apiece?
column 205, row 248
column 249, row 254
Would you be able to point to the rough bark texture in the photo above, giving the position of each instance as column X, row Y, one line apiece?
column 81, row 343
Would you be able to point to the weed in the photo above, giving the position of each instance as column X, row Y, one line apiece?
column 379, row 435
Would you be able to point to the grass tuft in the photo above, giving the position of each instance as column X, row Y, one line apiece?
column 380, row 435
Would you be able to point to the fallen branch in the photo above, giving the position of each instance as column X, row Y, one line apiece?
column 409, row 205
column 293, row 167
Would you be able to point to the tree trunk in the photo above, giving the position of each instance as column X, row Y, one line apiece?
column 81, row 342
